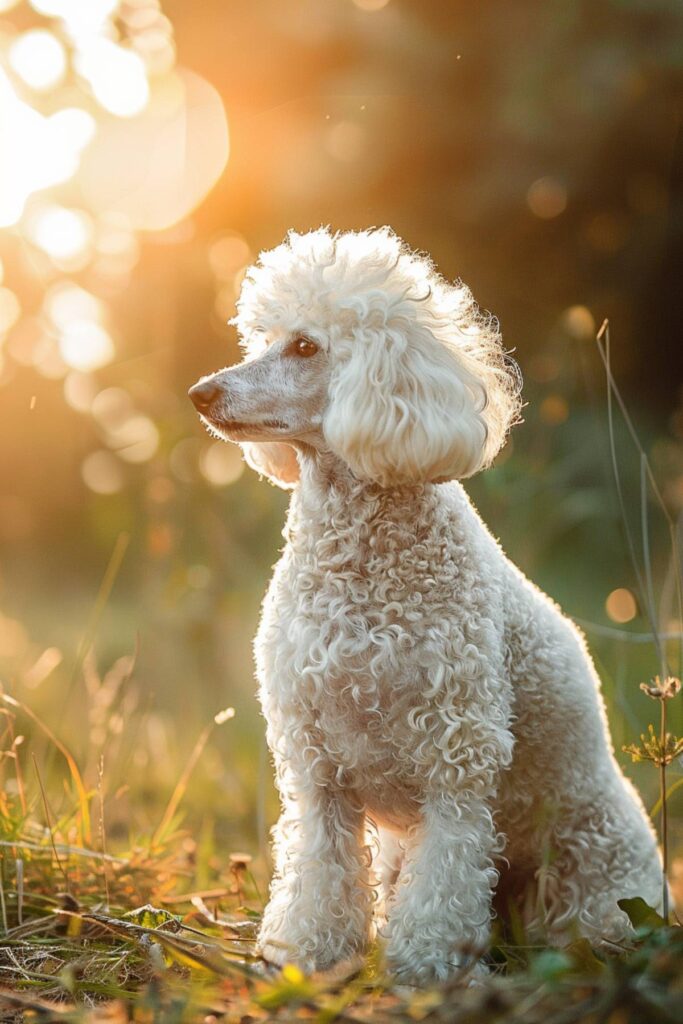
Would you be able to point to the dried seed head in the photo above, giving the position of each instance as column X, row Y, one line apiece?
column 659, row 690
column 240, row 861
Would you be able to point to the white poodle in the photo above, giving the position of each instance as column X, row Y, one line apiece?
column 410, row 675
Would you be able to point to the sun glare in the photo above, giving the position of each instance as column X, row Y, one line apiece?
column 116, row 75
column 38, row 58
column 78, row 14
column 42, row 153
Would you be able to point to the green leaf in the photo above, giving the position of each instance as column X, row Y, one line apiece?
column 151, row 917
column 583, row 957
column 550, row 964
column 641, row 915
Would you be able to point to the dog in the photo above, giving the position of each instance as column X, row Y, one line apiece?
column 412, row 679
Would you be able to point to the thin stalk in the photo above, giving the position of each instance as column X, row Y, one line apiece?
column 103, row 834
column 613, row 390
column 3, row 905
column 664, row 821
column 49, row 825
column 181, row 787
column 73, row 767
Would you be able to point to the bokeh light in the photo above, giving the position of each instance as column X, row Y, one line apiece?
column 10, row 309
column 553, row 410
column 344, row 141
column 221, row 463
column 117, row 76
column 621, row 605
column 579, row 322
column 155, row 168
column 111, row 408
column 85, row 345
column 547, row 198
column 135, row 439
column 80, row 390
column 43, row 154
column 65, row 302
column 65, row 235
column 102, row 472
column 38, row 58
column 79, row 16
column 371, row 5
column 227, row 254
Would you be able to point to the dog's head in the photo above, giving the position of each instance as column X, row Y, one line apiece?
column 355, row 345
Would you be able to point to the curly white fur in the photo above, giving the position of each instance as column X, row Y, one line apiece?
column 410, row 675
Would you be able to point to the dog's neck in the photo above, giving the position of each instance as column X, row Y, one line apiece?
column 330, row 500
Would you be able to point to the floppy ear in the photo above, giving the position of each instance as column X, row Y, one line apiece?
column 408, row 406
column 275, row 460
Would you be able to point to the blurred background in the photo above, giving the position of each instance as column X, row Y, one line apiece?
column 148, row 152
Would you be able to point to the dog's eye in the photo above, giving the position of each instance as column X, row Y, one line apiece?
column 303, row 347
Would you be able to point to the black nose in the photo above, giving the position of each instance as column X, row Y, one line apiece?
column 203, row 395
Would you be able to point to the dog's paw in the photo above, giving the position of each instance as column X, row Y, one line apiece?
column 414, row 958
column 275, row 953
column 423, row 971
column 333, row 953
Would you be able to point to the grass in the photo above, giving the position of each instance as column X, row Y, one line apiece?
column 69, row 954
column 89, row 935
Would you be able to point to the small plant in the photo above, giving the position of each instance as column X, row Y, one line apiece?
column 660, row 749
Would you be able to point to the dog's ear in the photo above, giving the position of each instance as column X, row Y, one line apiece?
column 275, row 460
column 413, row 403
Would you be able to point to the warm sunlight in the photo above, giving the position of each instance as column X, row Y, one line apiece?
column 43, row 154
column 416, row 265
column 39, row 59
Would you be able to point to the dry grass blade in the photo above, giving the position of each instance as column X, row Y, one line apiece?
column 49, row 824
column 83, row 799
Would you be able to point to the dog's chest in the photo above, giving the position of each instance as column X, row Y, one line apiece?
column 339, row 649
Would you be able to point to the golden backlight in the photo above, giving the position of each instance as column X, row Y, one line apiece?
column 102, row 136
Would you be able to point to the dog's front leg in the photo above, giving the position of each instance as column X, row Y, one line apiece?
column 439, row 921
column 320, row 902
